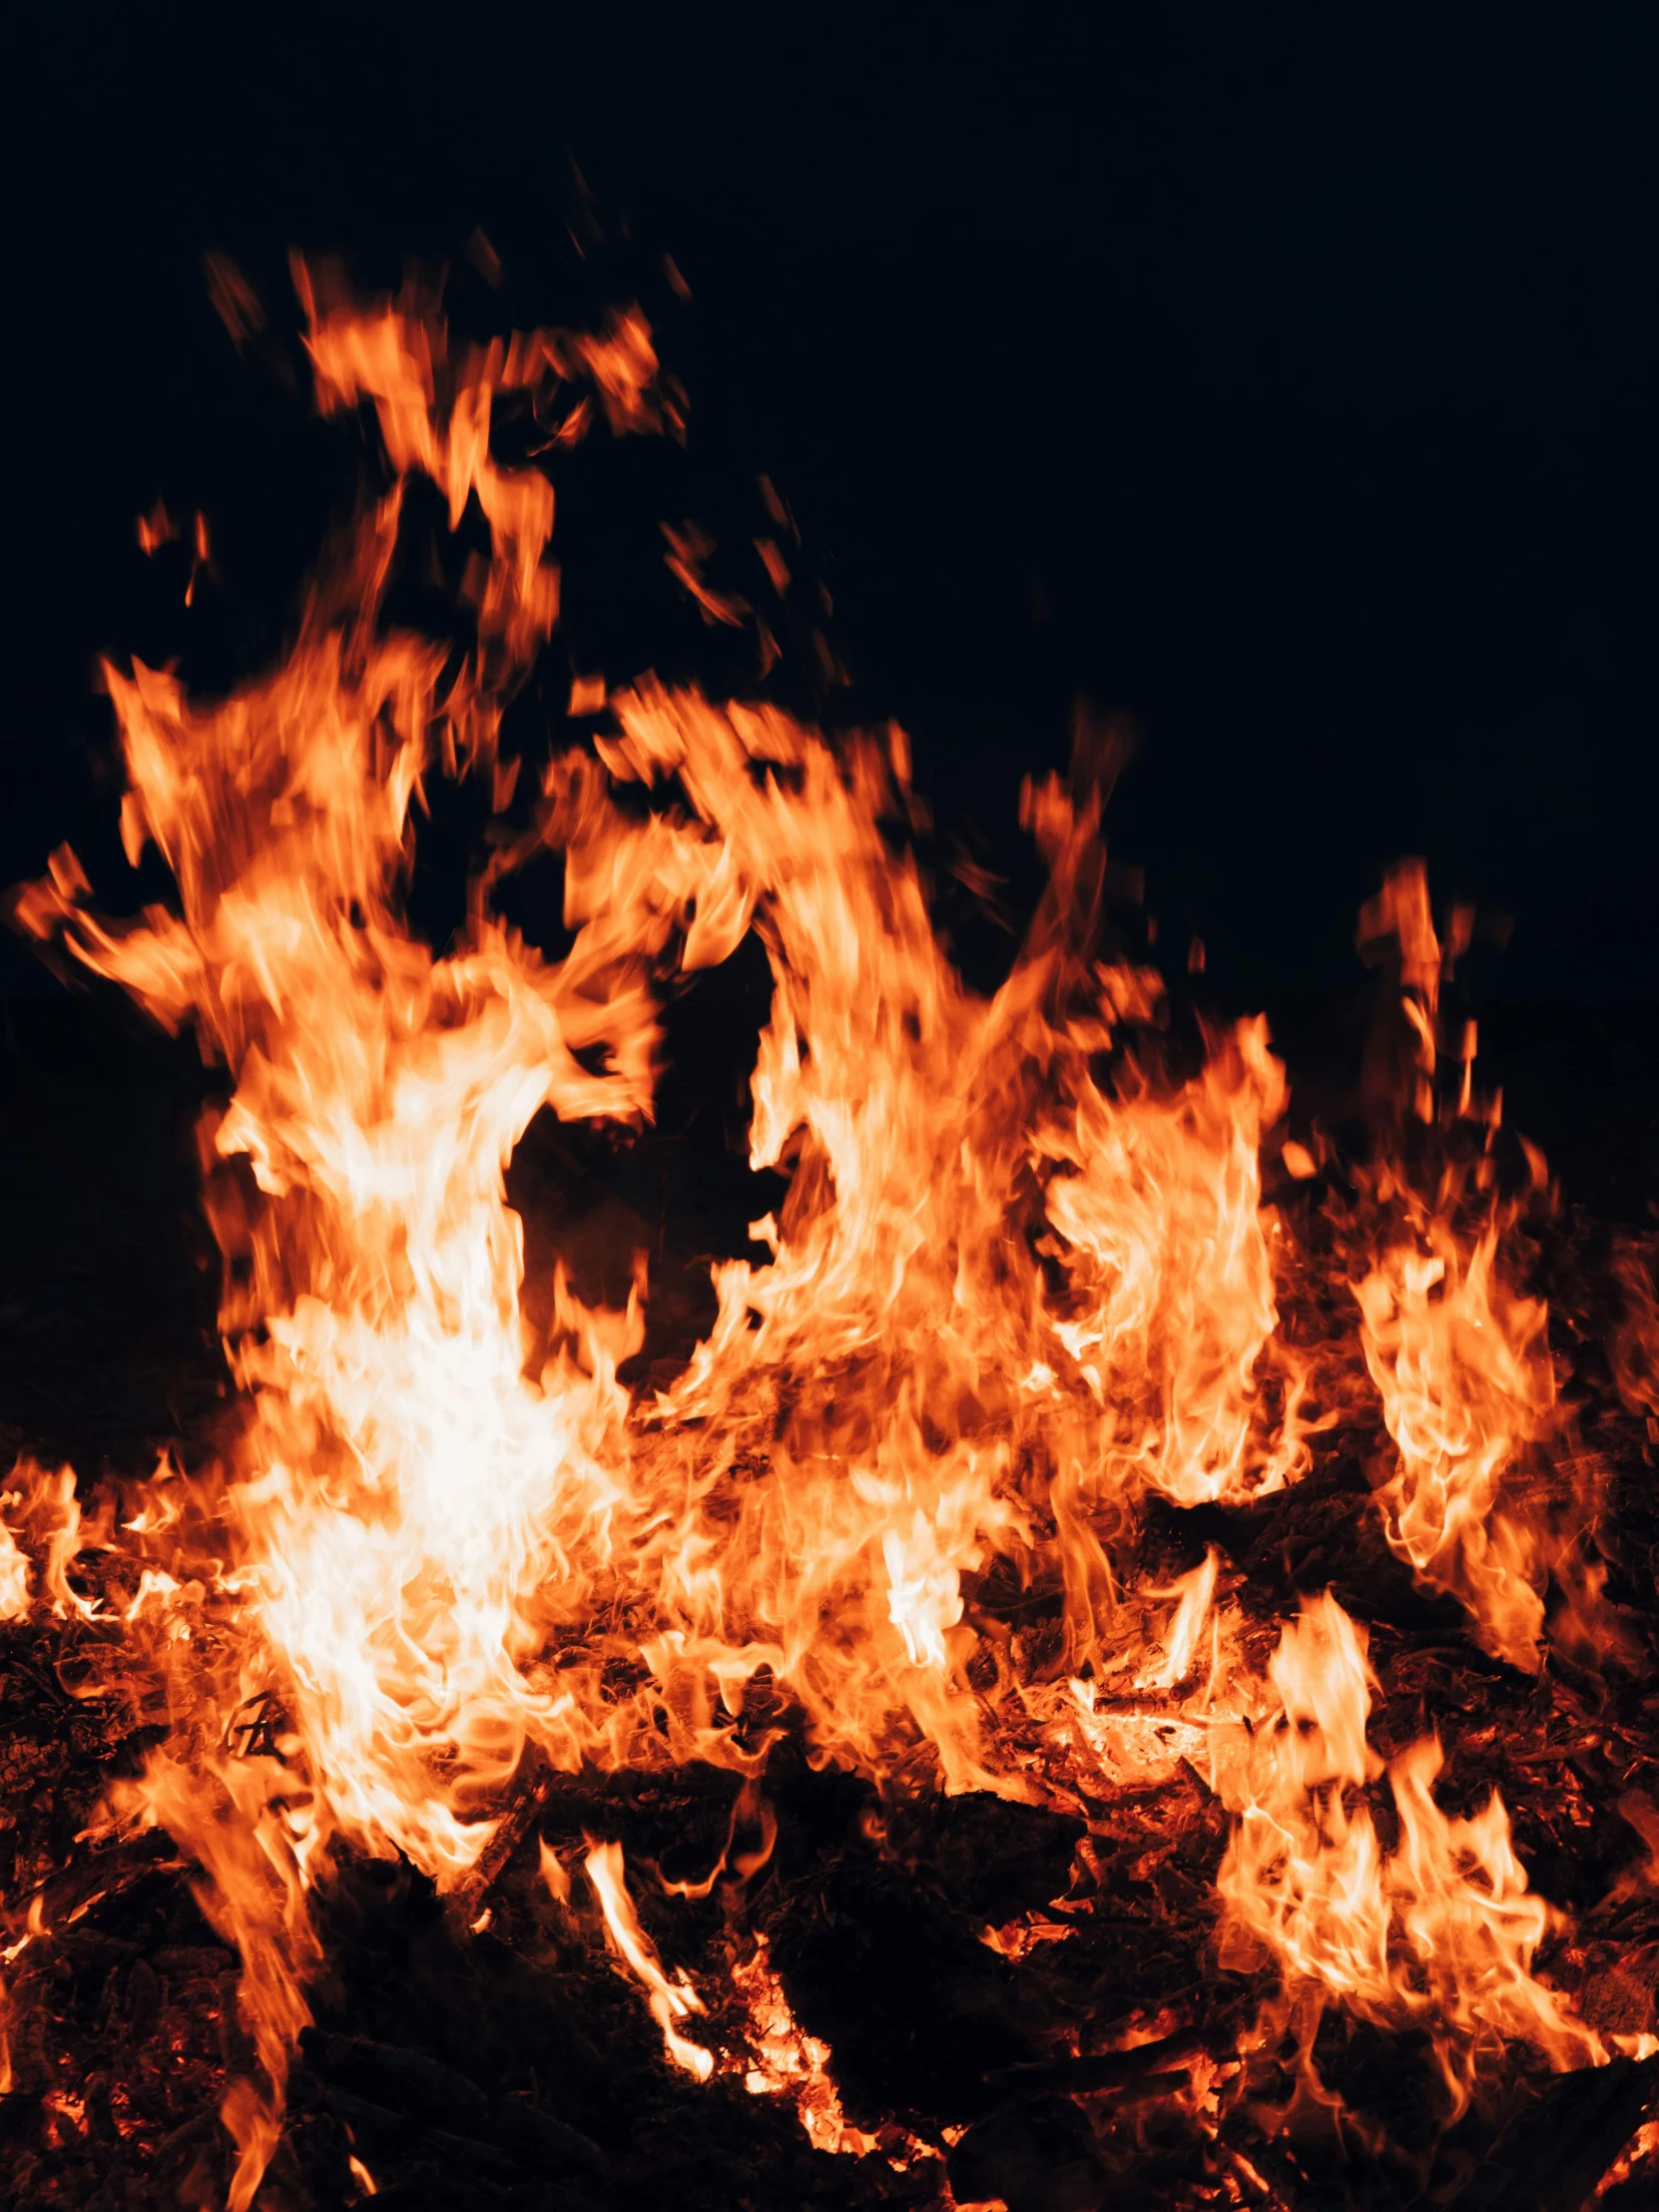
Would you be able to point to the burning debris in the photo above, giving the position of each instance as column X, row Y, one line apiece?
column 1113, row 1673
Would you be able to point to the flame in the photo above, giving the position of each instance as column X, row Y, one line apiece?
column 783, row 2061
column 34, row 1928
column 47, row 1509
column 1462, row 1364
column 1466, row 1379
column 1441, row 1931
column 1633, row 1344
column 1023, row 1279
column 670, row 2000
column 1195, row 1595
column 14, row 1578
column 417, row 1516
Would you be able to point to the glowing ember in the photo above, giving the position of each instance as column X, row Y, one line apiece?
column 784, row 2061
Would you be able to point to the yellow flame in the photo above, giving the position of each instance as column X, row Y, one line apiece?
column 671, row 2001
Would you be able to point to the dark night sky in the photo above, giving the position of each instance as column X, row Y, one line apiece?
column 1284, row 377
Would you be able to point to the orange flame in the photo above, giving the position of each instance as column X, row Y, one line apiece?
column 1020, row 1282
column 1442, row 1931
column 670, row 2000
column 786, row 2061
column 14, row 1578
column 418, row 1515
column 1464, row 1374
column 1462, row 1364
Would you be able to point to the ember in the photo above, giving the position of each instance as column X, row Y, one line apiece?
column 1110, row 1674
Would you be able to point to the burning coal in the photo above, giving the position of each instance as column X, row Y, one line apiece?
column 1026, row 1283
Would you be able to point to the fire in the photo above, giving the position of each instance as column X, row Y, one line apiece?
column 14, row 1578
column 1460, row 1363
column 1183, row 1640
column 1442, row 1930
column 1465, row 1381
column 671, row 2001
column 416, row 1514
column 34, row 1928
column 786, row 2061
column 1022, row 1281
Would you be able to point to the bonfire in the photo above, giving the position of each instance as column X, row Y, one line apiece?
column 1027, row 1711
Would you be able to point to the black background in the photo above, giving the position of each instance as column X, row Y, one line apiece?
column 1285, row 377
